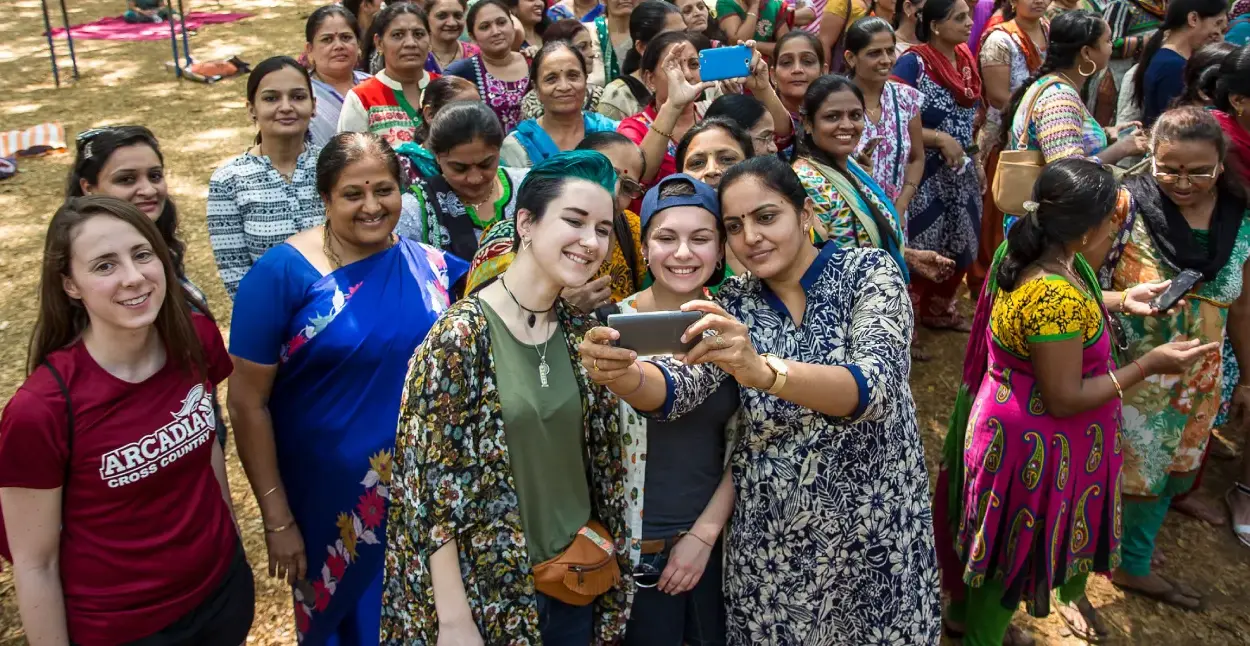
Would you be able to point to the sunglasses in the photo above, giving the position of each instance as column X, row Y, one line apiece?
column 629, row 188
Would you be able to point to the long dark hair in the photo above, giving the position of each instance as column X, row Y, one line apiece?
column 1071, row 32
column 1073, row 196
column 1004, row 6
column 543, row 23
column 817, row 93
column 461, row 122
column 652, row 57
column 1202, row 71
column 742, row 109
column 933, row 11
column 1177, row 17
column 61, row 320
column 382, row 22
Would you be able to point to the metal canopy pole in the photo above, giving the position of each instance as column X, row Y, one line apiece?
column 186, row 45
column 69, row 37
column 173, row 43
column 47, row 26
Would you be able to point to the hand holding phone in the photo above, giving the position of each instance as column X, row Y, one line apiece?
column 720, row 63
column 654, row 333
column 1176, row 290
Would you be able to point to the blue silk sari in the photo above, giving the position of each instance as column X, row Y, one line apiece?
column 539, row 145
column 334, row 404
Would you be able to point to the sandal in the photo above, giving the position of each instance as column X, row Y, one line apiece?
column 1172, row 596
column 1082, row 620
column 1242, row 532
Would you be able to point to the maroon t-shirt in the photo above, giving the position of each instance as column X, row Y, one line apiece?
column 147, row 535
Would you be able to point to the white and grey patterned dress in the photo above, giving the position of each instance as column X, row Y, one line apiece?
column 831, row 540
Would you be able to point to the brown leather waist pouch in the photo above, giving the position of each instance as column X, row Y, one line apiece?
column 579, row 574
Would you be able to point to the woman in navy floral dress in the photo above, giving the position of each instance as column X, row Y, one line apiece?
column 830, row 541
column 945, row 213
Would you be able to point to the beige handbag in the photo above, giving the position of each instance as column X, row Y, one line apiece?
column 1018, row 169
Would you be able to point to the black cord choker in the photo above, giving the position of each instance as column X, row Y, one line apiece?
column 533, row 314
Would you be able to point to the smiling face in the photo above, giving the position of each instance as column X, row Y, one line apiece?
column 561, row 83
column 405, row 44
column 710, row 154
column 874, row 62
column 470, row 169
column 1207, row 30
column 283, row 104
column 683, row 248
column 364, row 204
column 1100, row 54
column 446, row 20
column 529, row 12
column 135, row 174
column 571, row 239
column 115, row 273
column 492, row 30
column 837, row 124
column 334, row 50
column 1186, row 171
column 687, row 58
column 765, row 232
column 694, row 14
column 797, row 66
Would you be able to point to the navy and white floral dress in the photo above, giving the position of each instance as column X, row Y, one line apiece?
column 831, row 540
column 945, row 213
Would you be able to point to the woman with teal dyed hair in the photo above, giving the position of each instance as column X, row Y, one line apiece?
column 499, row 429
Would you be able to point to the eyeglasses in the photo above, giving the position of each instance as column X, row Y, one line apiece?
column 1201, row 180
column 629, row 187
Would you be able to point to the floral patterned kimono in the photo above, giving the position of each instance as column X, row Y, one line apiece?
column 452, row 480
column 832, row 538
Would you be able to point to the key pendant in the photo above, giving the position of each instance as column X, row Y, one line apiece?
column 543, row 369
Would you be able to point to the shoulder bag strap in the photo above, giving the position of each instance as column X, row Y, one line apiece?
column 1022, row 142
column 69, row 435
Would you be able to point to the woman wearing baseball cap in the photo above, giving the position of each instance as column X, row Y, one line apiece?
column 688, row 491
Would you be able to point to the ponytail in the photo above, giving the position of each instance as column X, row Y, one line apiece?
column 1177, row 17
column 1026, row 240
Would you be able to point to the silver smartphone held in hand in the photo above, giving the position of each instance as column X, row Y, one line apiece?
column 652, row 333
column 1176, row 291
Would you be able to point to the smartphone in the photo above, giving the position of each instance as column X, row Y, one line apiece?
column 1176, row 291
column 720, row 63
column 651, row 333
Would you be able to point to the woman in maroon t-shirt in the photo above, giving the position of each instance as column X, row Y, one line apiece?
column 112, row 489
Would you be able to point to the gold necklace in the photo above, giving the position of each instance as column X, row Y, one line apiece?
column 335, row 262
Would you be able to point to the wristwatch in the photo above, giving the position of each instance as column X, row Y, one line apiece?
column 780, row 369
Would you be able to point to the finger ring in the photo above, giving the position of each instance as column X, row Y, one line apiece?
column 720, row 341
column 595, row 365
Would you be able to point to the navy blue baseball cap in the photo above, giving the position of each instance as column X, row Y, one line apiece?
column 704, row 197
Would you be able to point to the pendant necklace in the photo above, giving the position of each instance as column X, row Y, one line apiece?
column 543, row 368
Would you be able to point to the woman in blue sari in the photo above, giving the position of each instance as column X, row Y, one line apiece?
column 323, row 328
column 558, row 75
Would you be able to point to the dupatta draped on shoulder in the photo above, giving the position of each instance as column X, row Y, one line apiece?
column 334, row 403
column 539, row 145
column 857, row 191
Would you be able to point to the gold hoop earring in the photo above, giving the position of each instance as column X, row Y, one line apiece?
column 1080, row 69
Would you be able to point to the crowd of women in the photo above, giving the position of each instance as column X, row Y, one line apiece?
column 443, row 205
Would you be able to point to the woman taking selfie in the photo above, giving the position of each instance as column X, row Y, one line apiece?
column 114, row 494
column 386, row 104
column 893, row 137
column 269, row 193
column 558, row 75
column 508, row 463
column 678, row 470
column 322, row 331
column 816, row 341
column 670, row 69
column 627, row 92
column 500, row 74
column 945, row 212
column 1187, row 214
column 332, row 50
column 1039, row 375
column 472, row 191
column 446, row 27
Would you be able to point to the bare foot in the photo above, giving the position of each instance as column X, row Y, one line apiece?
column 1017, row 636
column 1153, row 586
column 1158, row 559
column 1199, row 508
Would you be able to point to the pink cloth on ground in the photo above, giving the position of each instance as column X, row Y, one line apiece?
column 118, row 29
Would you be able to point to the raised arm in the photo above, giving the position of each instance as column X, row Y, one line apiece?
column 32, row 521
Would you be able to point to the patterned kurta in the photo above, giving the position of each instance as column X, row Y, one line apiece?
column 945, row 214
column 899, row 105
column 1168, row 418
column 452, row 480
column 832, row 538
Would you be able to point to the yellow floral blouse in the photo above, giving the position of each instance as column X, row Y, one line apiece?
column 1047, row 308
column 451, row 480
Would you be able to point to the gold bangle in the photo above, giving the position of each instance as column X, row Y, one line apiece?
column 658, row 132
column 1116, row 382
column 279, row 528
column 275, row 488
column 753, row 15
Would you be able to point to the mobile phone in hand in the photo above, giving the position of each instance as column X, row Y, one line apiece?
column 720, row 63
column 1176, row 291
column 652, row 333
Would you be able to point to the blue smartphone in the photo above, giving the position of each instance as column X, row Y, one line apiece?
column 720, row 63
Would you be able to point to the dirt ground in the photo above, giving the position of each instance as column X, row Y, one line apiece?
column 201, row 126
